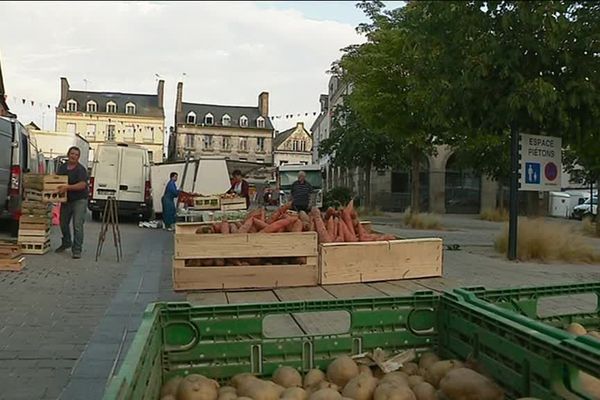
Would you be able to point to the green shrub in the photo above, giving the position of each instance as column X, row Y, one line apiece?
column 337, row 197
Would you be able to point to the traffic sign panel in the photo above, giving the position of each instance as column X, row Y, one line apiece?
column 540, row 162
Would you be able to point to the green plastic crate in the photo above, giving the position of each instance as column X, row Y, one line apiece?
column 221, row 341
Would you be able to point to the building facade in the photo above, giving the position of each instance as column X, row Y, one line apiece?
column 4, row 110
column 293, row 146
column 102, row 117
column 240, row 133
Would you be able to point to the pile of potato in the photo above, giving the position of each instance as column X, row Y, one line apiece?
column 580, row 330
column 429, row 379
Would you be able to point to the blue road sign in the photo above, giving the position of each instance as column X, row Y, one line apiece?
column 532, row 173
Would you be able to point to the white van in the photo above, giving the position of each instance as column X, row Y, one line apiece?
column 123, row 171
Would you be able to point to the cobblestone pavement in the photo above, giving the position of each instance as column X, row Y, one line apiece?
column 66, row 324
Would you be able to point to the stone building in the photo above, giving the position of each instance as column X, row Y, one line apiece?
column 241, row 133
column 293, row 146
column 102, row 117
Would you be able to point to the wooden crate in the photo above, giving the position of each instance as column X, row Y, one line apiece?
column 207, row 203
column 12, row 264
column 379, row 261
column 44, row 183
column 190, row 247
column 35, row 248
column 35, row 208
column 236, row 203
column 45, row 196
column 192, row 227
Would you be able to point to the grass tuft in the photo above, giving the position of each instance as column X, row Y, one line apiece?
column 497, row 215
column 422, row 220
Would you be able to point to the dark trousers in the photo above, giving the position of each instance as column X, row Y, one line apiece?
column 73, row 210
column 300, row 207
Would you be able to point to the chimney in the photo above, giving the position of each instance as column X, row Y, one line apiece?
column 64, row 90
column 263, row 104
column 178, row 102
column 160, row 91
column 300, row 125
column 324, row 99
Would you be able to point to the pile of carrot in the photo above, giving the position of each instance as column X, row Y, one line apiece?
column 333, row 226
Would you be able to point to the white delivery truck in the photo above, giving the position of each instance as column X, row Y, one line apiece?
column 122, row 171
column 54, row 146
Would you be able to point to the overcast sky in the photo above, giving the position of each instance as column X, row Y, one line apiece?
column 228, row 51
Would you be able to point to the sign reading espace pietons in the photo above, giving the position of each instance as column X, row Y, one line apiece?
column 541, row 163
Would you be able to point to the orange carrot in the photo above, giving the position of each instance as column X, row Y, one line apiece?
column 362, row 233
column 331, row 226
column 346, row 234
column 305, row 220
column 279, row 225
column 347, row 218
column 262, row 215
column 252, row 214
column 217, row 228
column 259, row 225
column 245, row 228
column 329, row 213
column 324, row 236
column 296, row 226
column 350, row 208
column 224, row 227
column 278, row 213
column 233, row 228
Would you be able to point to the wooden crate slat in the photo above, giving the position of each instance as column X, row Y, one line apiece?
column 245, row 245
column 33, row 239
column 250, row 277
column 380, row 261
column 35, row 248
column 12, row 264
column 45, row 196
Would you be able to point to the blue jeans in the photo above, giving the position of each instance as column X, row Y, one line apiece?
column 74, row 210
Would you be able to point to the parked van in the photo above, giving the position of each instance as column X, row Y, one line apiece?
column 123, row 171
column 18, row 155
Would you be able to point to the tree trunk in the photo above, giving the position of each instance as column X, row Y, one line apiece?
column 415, row 198
column 597, row 219
column 368, row 187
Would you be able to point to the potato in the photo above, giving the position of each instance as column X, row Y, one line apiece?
column 258, row 389
column 168, row 397
column 325, row 385
column 361, row 387
column 313, row 377
column 576, row 329
column 224, row 389
column 414, row 380
column 594, row 334
column 170, row 386
column 391, row 391
column 244, row 398
column 197, row 387
column 427, row 359
column 410, row 369
column 365, row 369
column 590, row 384
column 239, row 379
column 326, row 394
column 436, row 371
column 466, row 384
column 425, row 391
column 378, row 373
column 227, row 396
column 341, row 370
column 398, row 377
column 294, row 393
column 287, row 377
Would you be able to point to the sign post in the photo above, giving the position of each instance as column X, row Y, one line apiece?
column 540, row 168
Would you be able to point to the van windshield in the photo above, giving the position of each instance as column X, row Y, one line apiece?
column 594, row 200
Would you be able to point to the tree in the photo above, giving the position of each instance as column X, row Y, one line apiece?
column 352, row 144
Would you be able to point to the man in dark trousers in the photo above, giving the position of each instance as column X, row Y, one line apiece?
column 76, row 205
column 300, row 192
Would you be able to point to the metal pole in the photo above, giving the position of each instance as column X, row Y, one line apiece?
column 514, row 194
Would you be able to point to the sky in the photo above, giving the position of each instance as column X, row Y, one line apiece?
column 225, row 52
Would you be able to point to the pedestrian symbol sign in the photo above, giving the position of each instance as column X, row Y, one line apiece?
column 532, row 173
column 540, row 159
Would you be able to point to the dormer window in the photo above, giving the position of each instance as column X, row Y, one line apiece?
column 71, row 105
column 209, row 119
column 91, row 106
column 129, row 108
column 191, row 118
column 226, row 120
column 260, row 122
column 111, row 107
column 244, row 121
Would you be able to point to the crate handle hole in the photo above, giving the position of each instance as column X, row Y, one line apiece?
column 307, row 324
column 421, row 321
column 180, row 335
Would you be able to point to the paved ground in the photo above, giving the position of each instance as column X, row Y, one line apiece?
column 67, row 323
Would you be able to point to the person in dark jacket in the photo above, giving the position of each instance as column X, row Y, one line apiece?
column 300, row 193
column 169, row 214
column 240, row 187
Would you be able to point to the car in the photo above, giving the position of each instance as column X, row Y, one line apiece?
column 586, row 210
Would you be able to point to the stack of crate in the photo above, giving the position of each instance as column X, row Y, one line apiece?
column 36, row 217
column 10, row 256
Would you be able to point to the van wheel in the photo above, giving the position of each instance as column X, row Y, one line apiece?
column 95, row 215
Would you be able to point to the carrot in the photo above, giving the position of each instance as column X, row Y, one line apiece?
column 252, row 228
column 245, row 228
column 252, row 214
column 217, row 227
column 233, row 228
column 350, row 208
column 296, row 226
column 346, row 234
column 331, row 226
column 278, row 213
column 259, row 225
column 205, row 229
column 224, row 227
column 262, row 215
column 362, row 233
column 324, row 236
column 312, row 224
column 279, row 225
column 347, row 218
column 329, row 213
column 305, row 220
column 336, row 227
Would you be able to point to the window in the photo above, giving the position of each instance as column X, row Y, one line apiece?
column 111, row 107
column 208, row 142
column 91, row 106
column 226, row 143
column 110, row 134
column 260, row 144
column 71, row 105
column 90, row 130
column 191, row 117
column 243, row 144
column 303, row 146
column 226, row 120
column 129, row 133
column 151, row 156
column 189, row 141
column 244, row 121
column 294, row 145
column 71, row 127
column 129, row 108
column 260, row 122
column 209, row 119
